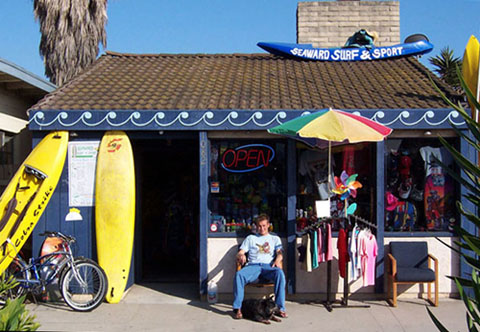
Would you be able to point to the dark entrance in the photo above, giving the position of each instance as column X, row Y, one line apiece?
column 167, row 229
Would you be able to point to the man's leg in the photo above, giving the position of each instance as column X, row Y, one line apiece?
column 278, row 277
column 248, row 274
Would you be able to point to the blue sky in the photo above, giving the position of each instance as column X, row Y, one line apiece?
column 223, row 26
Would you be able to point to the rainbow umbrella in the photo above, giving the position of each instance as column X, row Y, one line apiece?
column 334, row 126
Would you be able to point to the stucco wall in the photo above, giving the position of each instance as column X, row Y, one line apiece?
column 221, row 268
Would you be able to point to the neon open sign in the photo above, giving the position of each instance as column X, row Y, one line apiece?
column 247, row 158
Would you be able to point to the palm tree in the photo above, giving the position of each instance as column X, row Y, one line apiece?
column 446, row 64
column 71, row 33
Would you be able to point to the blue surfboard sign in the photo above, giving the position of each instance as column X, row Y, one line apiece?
column 307, row 51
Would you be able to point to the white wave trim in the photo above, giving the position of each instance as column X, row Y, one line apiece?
column 256, row 118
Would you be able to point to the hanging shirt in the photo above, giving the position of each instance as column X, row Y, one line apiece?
column 354, row 272
column 348, row 157
column 368, row 248
column 342, row 246
column 308, row 259
column 321, row 255
column 314, row 247
column 329, row 243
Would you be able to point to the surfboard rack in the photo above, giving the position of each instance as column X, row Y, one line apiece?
column 35, row 172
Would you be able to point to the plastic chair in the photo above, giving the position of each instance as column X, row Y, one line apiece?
column 411, row 263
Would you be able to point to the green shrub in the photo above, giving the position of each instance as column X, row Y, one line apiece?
column 469, row 242
column 14, row 316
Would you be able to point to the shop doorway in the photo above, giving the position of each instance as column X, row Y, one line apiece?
column 167, row 241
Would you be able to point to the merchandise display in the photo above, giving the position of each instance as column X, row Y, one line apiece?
column 313, row 184
column 247, row 178
column 419, row 195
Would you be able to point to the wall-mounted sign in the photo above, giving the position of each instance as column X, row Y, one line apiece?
column 307, row 51
column 247, row 158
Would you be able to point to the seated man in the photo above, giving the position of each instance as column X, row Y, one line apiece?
column 262, row 248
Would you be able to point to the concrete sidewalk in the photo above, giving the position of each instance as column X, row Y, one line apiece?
column 166, row 308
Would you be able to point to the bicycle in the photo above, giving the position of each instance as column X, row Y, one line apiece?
column 82, row 282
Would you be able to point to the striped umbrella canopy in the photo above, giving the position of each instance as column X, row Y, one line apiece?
column 334, row 126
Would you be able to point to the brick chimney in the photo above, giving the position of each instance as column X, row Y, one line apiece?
column 330, row 23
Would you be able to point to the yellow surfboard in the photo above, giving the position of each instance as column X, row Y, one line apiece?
column 470, row 66
column 115, row 210
column 28, row 193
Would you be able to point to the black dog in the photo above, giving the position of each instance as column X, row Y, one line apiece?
column 260, row 310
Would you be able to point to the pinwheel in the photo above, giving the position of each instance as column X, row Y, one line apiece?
column 347, row 186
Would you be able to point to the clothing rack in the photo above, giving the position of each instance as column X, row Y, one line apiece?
column 329, row 305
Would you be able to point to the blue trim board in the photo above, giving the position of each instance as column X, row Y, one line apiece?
column 291, row 217
column 214, row 120
column 204, row 171
column 22, row 74
column 380, row 215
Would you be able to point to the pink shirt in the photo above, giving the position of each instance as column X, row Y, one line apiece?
column 368, row 253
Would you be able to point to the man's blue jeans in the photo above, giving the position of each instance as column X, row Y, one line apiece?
column 250, row 273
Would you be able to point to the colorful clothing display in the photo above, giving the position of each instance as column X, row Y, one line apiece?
column 360, row 249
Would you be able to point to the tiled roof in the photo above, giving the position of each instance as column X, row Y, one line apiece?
column 244, row 81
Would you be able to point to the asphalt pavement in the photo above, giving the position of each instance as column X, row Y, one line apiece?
column 176, row 307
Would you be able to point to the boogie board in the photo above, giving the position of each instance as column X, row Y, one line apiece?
column 28, row 193
column 307, row 51
column 115, row 210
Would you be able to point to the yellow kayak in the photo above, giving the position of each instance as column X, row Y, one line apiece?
column 28, row 193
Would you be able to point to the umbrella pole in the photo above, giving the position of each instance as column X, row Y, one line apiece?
column 329, row 168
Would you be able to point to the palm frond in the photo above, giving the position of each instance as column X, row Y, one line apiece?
column 71, row 31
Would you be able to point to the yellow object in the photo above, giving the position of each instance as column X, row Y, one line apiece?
column 115, row 210
column 470, row 67
column 28, row 194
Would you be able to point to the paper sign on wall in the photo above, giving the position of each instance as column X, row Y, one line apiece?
column 82, row 160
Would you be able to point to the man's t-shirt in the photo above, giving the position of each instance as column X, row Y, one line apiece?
column 261, row 249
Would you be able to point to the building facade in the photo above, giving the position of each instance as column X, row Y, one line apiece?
column 206, row 165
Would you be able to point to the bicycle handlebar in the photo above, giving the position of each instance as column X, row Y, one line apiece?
column 55, row 234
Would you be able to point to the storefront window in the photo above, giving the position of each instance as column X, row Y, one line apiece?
column 247, row 177
column 312, row 182
column 419, row 194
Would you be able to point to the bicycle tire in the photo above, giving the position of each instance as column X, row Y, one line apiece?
column 84, row 298
column 15, row 269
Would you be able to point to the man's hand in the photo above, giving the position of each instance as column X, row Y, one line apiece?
column 278, row 260
column 241, row 258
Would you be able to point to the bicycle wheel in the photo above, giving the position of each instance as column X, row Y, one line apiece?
column 86, row 289
column 15, row 269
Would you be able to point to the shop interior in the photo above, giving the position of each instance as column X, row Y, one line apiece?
column 313, row 184
column 167, row 248
column 420, row 194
